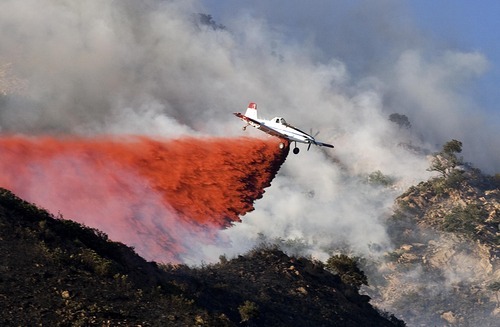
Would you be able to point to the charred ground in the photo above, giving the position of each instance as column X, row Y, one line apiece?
column 57, row 272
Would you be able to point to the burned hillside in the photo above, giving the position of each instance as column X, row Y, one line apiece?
column 58, row 272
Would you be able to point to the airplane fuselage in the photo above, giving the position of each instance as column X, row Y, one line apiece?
column 278, row 127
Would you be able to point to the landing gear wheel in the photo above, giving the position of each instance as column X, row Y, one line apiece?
column 296, row 150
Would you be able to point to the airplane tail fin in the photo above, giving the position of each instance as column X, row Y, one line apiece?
column 251, row 110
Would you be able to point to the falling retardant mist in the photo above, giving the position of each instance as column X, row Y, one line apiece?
column 163, row 197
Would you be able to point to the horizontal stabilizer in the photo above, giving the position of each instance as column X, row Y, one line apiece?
column 325, row 144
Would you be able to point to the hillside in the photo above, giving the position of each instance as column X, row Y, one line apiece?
column 444, row 270
column 59, row 273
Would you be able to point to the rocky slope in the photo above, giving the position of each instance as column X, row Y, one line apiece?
column 444, row 270
column 56, row 272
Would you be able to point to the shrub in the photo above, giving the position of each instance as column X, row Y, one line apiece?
column 94, row 262
column 248, row 310
column 347, row 269
column 223, row 259
column 496, row 179
column 464, row 219
column 377, row 178
column 455, row 177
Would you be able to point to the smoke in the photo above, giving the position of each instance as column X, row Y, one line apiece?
column 151, row 68
column 165, row 198
column 375, row 46
column 148, row 67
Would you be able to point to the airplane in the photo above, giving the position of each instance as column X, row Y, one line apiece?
column 278, row 127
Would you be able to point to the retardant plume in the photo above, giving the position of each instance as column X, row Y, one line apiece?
column 156, row 195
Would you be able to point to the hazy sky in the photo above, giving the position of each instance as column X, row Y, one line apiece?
column 469, row 25
column 461, row 25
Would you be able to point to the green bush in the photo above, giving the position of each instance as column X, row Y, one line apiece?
column 464, row 219
column 94, row 262
column 248, row 310
column 454, row 179
column 347, row 269
column 378, row 178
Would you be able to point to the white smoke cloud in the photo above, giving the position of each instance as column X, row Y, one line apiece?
column 146, row 67
column 87, row 62
column 379, row 49
column 89, row 66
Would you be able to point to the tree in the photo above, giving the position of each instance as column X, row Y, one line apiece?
column 401, row 120
column 452, row 147
column 207, row 20
column 446, row 160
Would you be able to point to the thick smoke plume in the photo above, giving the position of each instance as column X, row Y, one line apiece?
column 161, row 197
column 152, row 68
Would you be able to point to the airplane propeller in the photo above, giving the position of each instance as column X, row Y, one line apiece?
column 316, row 134
column 313, row 138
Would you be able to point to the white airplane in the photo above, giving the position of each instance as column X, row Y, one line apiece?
column 278, row 127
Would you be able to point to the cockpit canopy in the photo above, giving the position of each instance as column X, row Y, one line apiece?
column 279, row 120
